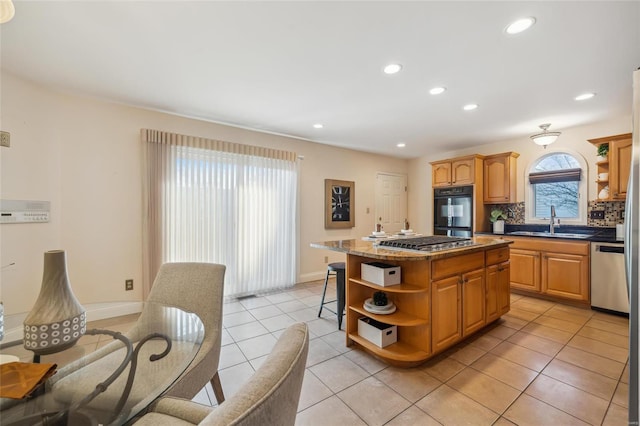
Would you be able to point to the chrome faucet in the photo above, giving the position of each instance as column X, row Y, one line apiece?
column 552, row 220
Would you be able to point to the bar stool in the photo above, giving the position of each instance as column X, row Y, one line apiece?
column 337, row 269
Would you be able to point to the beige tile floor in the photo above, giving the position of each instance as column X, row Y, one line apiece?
column 541, row 364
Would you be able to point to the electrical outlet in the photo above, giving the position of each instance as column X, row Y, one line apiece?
column 597, row 214
column 128, row 285
column 326, row 259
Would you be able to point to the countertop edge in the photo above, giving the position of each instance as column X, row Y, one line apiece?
column 367, row 249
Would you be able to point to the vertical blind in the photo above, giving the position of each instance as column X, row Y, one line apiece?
column 220, row 202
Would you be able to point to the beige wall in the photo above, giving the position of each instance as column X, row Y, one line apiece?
column 573, row 140
column 84, row 156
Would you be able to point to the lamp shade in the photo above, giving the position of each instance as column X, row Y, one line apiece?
column 57, row 320
column 7, row 11
column 546, row 137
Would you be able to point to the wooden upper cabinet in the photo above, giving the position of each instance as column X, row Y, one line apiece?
column 462, row 172
column 619, row 168
column 617, row 165
column 500, row 178
column 456, row 171
column 441, row 173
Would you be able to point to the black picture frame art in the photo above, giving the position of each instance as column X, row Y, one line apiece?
column 339, row 204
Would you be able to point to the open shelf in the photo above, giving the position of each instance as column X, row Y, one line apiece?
column 399, row 288
column 397, row 318
column 396, row 353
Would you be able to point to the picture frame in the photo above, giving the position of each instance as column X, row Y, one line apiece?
column 339, row 204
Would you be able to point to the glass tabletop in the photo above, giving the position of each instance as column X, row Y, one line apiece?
column 119, row 380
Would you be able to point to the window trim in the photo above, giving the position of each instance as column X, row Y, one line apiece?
column 582, row 189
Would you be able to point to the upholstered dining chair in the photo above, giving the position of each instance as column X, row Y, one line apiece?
column 192, row 287
column 269, row 397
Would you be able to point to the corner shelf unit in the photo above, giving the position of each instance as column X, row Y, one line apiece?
column 412, row 316
column 602, row 167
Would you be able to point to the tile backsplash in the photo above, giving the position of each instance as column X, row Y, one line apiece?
column 613, row 211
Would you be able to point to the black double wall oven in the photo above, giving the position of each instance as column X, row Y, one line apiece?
column 453, row 211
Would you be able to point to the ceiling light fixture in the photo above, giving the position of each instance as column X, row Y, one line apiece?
column 545, row 138
column 401, row 145
column 392, row 68
column 7, row 11
column 470, row 107
column 318, row 126
column 520, row 25
column 584, row 96
column 437, row 90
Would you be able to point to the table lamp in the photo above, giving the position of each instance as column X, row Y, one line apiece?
column 57, row 320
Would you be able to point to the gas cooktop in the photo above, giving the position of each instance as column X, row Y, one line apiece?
column 430, row 243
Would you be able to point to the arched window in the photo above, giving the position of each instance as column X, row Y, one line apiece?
column 557, row 179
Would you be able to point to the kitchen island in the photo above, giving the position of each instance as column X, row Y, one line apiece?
column 444, row 296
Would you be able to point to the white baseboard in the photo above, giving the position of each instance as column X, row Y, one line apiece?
column 95, row 311
column 312, row 276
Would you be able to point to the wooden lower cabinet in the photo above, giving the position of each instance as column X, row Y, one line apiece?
column 525, row 270
column 553, row 268
column 458, row 308
column 498, row 292
column 565, row 275
column 473, row 301
column 439, row 302
column 446, row 315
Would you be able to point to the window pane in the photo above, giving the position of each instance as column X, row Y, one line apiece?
column 556, row 162
column 562, row 195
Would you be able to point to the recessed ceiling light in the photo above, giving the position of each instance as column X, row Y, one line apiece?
column 401, row 145
column 520, row 25
column 318, row 126
column 437, row 90
column 470, row 107
column 392, row 68
column 584, row 96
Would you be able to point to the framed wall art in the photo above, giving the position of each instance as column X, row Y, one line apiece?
column 339, row 204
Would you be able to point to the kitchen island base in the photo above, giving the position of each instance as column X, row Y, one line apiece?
column 443, row 297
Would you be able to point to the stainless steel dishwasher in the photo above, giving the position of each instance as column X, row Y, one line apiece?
column 608, row 280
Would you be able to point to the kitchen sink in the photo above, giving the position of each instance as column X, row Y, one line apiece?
column 549, row 235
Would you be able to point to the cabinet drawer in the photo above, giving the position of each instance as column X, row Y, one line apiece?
column 497, row 255
column 457, row 264
column 549, row 245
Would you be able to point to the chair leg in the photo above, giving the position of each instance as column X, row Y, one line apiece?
column 217, row 388
column 324, row 293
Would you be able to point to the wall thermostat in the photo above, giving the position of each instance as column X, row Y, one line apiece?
column 23, row 211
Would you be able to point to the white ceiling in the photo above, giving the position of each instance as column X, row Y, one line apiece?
column 282, row 66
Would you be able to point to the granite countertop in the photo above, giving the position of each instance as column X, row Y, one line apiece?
column 580, row 233
column 370, row 249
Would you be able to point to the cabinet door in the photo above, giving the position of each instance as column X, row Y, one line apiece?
column 565, row 275
column 446, row 321
column 503, row 287
column 491, row 306
column 462, row 172
column 496, row 180
column 525, row 274
column 441, row 174
column 473, row 301
column 619, row 166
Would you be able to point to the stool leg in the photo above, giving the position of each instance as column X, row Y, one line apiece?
column 324, row 292
column 340, row 296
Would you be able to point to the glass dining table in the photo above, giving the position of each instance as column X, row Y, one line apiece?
column 117, row 382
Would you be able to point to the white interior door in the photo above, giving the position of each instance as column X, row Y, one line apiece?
column 391, row 201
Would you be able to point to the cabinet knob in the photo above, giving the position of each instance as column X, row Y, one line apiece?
column 506, row 198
